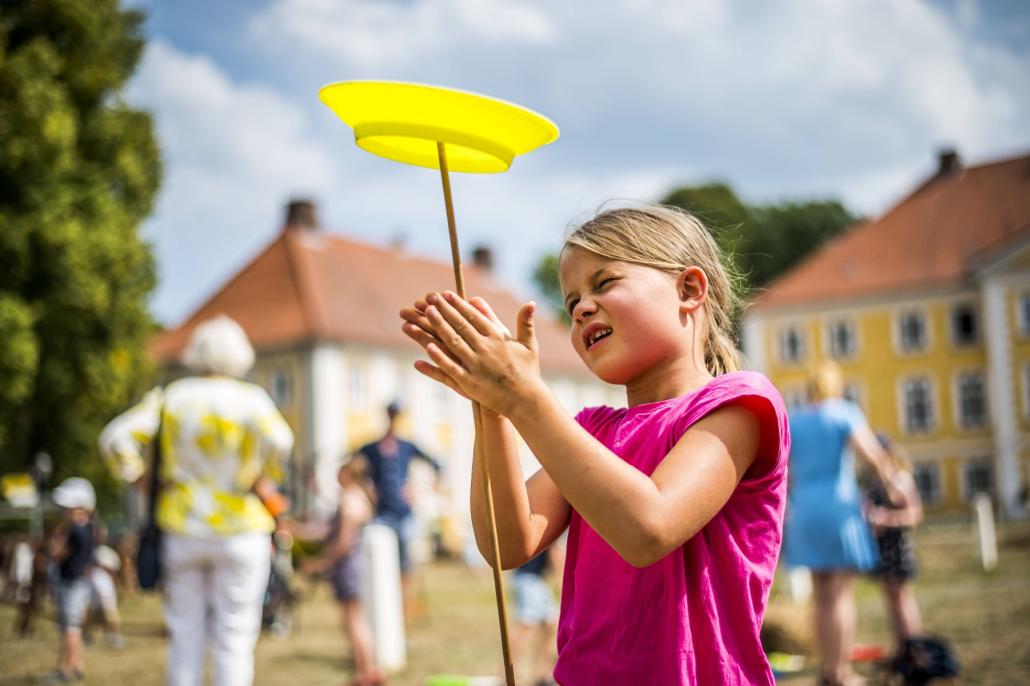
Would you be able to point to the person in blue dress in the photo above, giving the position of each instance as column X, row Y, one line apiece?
column 825, row 529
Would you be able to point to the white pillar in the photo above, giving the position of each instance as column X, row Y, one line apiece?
column 327, row 384
column 382, row 596
column 997, row 335
column 754, row 343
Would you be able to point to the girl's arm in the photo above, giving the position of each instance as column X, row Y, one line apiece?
column 866, row 445
column 908, row 516
column 529, row 514
column 642, row 517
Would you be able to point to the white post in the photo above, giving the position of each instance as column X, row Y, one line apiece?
column 1002, row 397
column 382, row 596
column 799, row 580
column 985, row 531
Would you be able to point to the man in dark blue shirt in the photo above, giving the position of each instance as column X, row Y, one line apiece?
column 388, row 460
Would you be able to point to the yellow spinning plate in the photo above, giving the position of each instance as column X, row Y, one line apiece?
column 405, row 121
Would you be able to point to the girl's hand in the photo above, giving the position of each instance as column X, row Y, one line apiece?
column 474, row 354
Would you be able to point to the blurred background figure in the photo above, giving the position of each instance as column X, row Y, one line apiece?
column 893, row 526
column 825, row 529
column 72, row 553
column 387, row 461
column 222, row 443
column 536, row 615
column 104, row 594
column 341, row 560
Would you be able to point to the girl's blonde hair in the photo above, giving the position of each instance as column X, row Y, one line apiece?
column 672, row 240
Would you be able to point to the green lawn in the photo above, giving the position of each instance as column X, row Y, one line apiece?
column 986, row 616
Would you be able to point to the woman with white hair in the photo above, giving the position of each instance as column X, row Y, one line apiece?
column 220, row 437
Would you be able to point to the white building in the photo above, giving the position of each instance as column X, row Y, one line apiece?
column 322, row 313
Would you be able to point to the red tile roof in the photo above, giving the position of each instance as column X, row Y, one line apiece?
column 309, row 286
column 932, row 238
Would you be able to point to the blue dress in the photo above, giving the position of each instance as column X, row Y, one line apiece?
column 824, row 528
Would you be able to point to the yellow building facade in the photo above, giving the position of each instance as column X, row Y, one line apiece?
column 929, row 321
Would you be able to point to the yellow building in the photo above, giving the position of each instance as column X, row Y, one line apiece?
column 927, row 310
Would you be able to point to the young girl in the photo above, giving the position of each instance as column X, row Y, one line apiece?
column 893, row 525
column 674, row 504
column 340, row 559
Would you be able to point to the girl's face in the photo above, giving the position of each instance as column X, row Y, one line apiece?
column 627, row 319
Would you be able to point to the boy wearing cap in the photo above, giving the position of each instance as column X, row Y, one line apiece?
column 72, row 552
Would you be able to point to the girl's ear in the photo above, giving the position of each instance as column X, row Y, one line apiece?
column 692, row 288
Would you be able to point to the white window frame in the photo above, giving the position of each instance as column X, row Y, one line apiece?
column 899, row 330
column 903, row 405
column 956, row 386
column 953, row 329
column 802, row 344
column 357, row 383
column 967, row 465
column 938, row 491
column 828, row 328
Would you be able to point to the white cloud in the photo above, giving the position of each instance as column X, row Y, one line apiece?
column 232, row 154
column 797, row 98
column 373, row 34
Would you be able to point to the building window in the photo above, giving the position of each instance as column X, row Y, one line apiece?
column 978, row 478
column 1024, row 312
column 793, row 398
column 357, row 384
column 912, row 331
column 842, row 339
column 965, row 325
column 918, row 401
column 853, row 392
column 280, row 387
column 972, row 401
column 927, row 476
column 792, row 345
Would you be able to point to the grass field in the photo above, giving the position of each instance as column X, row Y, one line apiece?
column 986, row 616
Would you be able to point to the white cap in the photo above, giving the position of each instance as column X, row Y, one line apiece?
column 75, row 492
column 107, row 558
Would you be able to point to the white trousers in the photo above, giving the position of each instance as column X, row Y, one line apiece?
column 213, row 590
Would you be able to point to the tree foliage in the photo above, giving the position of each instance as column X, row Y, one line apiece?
column 761, row 242
column 79, row 170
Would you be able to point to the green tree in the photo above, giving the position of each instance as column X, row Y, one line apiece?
column 79, row 170
column 760, row 241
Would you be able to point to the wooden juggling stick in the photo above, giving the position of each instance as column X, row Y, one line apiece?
column 477, row 417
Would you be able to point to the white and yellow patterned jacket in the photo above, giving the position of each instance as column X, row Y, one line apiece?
column 217, row 436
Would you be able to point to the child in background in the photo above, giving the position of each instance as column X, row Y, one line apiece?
column 341, row 560
column 536, row 612
column 72, row 552
column 104, row 595
column 893, row 528
column 674, row 505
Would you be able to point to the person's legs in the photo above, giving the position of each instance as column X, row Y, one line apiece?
column 902, row 609
column 546, row 653
column 834, row 621
column 355, row 622
column 239, row 578
column 73, row 599
column 185, row 576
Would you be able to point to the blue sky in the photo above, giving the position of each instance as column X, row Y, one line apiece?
column 793, row 99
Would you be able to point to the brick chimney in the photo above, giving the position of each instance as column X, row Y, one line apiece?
column 948, row 162
column 483, row 258
column 300, row 215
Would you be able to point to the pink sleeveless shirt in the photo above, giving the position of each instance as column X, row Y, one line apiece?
column 694, row 616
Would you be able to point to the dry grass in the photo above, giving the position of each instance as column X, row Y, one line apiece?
column 986, row 616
